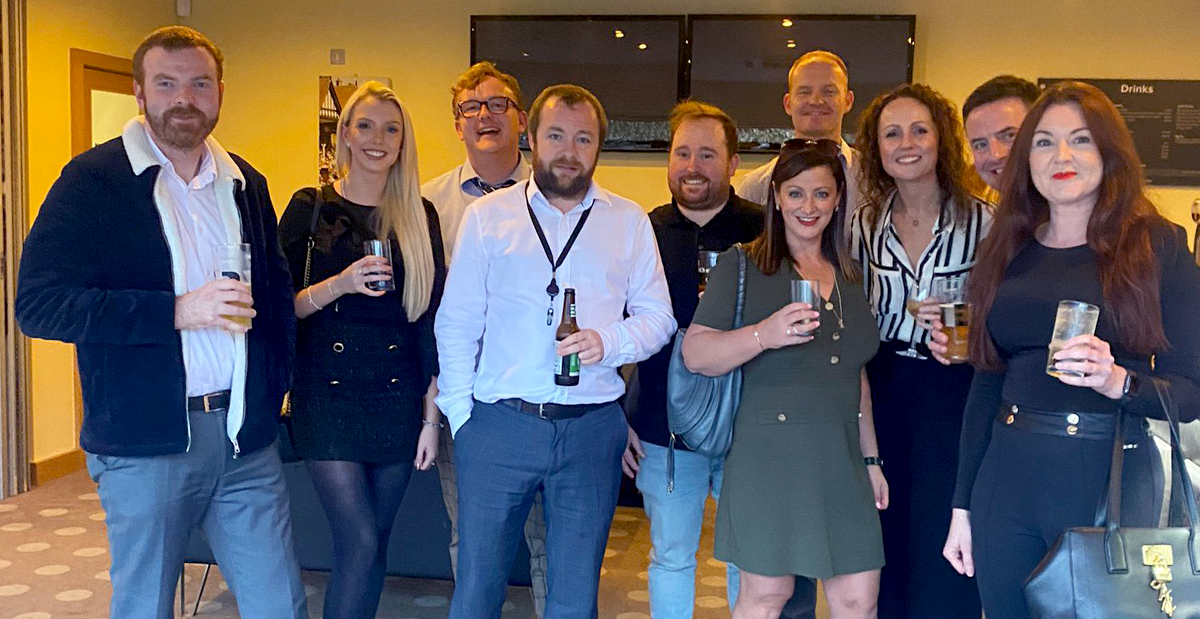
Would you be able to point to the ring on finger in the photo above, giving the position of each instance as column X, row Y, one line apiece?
column 789, row 330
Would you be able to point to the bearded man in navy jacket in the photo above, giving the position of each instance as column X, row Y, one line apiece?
column 180, row 399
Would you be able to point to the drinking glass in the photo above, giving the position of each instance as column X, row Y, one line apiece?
column 1074, row 318
column 232, row 260
column 377, row 247
column 913, row 304
column 807, row 291
column 705, row 262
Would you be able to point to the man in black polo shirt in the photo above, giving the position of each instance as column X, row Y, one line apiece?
column 704, row 215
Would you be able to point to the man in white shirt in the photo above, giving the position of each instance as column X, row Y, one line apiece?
column 817, row 100
column 489, row 119
column 517, row 431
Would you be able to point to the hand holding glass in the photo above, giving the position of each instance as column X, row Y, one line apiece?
column 232, row 261
column 377, row 247
column 955, row 315
column 808, row 291
column 1074, row 318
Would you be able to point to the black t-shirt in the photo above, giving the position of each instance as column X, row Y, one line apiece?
column 679, row 242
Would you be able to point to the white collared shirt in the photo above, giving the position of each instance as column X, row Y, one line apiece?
column 209, row 356
column 452, row 192
column 495, row 301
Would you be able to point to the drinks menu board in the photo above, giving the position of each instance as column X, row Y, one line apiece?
column 1164, row 117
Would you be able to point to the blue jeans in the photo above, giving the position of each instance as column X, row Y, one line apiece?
column 675, row 522
column 504, row 457
column 152, row 505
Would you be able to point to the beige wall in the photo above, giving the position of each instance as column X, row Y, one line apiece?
column 55, row 26
column 276, row 48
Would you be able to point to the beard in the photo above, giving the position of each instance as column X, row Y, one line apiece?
column 182, row 128
column 555, row 186
column 709, row 200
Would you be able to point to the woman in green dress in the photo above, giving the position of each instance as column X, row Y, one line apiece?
column 803, row 481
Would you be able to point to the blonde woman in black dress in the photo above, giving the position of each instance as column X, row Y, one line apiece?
column 362, row 412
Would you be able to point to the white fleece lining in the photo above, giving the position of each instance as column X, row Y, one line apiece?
column 141, row 156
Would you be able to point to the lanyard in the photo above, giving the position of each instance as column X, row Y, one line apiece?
column 552, row 289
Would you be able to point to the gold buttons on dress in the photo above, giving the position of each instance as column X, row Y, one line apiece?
column 1072, row 419
column 834, row 359
column 338, row 347
column 829, row 306
column 782, row 417
column 1011, row 419
column 1072, row 430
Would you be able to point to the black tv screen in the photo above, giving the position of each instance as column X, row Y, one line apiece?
column 632, row 64
column 740, row 64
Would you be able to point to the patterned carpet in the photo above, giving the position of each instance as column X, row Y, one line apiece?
column 54, row 564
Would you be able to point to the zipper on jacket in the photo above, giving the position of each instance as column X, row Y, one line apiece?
column 236, row 449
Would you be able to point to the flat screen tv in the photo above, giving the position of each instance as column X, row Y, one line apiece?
column 740, row 64
column 631, row 63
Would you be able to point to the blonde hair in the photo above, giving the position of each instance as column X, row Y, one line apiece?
column 401, row 212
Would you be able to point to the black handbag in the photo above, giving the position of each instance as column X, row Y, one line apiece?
column 1109, row 571
column 287, row 443
column 700, row 409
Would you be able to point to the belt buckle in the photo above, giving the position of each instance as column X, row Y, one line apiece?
column 542, row 410
column 209, row 406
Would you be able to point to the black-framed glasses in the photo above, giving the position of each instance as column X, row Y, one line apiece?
column 823, row 145
column 495, row 105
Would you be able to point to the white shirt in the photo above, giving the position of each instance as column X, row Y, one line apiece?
column 889, row 276
column 756, row 185
column 208, row 357
column 452, row 192
column 495, row 301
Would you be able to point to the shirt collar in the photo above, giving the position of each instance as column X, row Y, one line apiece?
column 943, row 224
column 140, row 150
column 595, row 193
column 677, row 218
column 468, row 173
column 204, row 176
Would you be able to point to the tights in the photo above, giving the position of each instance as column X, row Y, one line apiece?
column 361, row 501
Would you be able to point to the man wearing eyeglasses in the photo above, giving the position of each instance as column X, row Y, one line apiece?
column 489, row 120
column 817, row 100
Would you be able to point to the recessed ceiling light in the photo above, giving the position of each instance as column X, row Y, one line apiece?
column 619, row 34
column 791, row 44
column 641, row 46
column 786, row 23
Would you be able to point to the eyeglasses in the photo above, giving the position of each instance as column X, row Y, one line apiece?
column 495, row 105
column 823, row 145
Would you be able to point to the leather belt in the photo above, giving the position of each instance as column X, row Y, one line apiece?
column 1092, row 426
column 552, row 411
column 210, row 403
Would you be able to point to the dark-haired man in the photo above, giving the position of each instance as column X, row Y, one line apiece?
column 183, row 370
column 704, row 215
column 517, row 431
column 992, row 114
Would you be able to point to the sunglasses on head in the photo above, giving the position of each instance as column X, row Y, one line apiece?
column 823, row 145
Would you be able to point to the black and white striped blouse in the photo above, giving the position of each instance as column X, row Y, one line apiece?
column 890, row 279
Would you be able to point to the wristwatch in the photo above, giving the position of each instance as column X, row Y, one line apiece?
column 875, row 460
column 1132, row 383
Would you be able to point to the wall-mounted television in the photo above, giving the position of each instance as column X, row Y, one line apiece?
column 631, row 63
column 639, row 66
column 740, row 64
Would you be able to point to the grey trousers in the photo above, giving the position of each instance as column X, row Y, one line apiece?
column 535, row 526
column 153, row 504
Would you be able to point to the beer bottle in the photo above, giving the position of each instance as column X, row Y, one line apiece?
column 566, row 372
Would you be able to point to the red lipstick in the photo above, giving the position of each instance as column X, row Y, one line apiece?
column 1062, row 176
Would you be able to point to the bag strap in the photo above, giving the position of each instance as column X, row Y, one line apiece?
column 741, row 289
column 322, row 195
column 1109, row 513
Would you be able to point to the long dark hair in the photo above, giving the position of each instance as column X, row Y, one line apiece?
column 770, row 249
column 1119, row 229
column 955, row 175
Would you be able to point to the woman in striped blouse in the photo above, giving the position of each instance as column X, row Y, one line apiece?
column 917, row 229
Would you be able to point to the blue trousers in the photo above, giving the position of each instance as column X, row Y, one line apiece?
column 152, row 505
column 503, row 458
